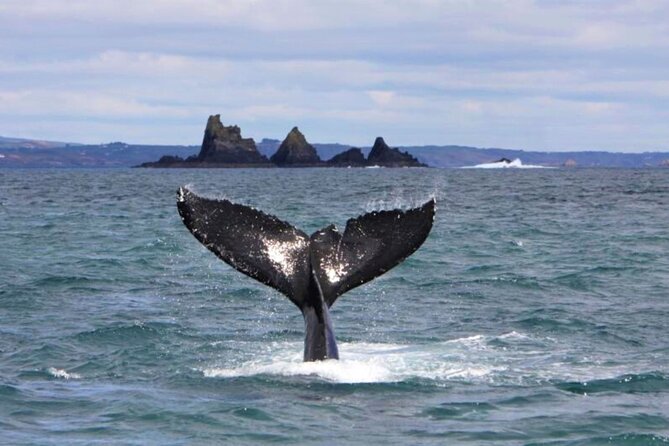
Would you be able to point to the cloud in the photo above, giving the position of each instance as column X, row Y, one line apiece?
column 77, row 103
column 519, row 72
column 381, row 97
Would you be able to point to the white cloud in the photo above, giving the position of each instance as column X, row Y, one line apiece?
column 521, row 72
column 381, row 97
column 164, row 76
column 77, row 103
column 471, row 106
column 519, row 20
column 255, row 14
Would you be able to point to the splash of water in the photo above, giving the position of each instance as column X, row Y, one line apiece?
column 508, row 358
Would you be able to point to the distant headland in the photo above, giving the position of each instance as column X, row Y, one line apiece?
column 34, row 153
column 224, row 146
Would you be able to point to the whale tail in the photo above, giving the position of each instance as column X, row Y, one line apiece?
column 284, row 258
column 311, row 271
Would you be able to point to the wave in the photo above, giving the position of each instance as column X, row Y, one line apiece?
column 62, row 373
column 6, row 390
column 136, row 333
column 631, row 383
column 626, row 439
column 48, row 373
column 504, row 164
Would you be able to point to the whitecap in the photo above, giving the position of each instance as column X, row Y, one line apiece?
column 61, row 373
column 516, row 163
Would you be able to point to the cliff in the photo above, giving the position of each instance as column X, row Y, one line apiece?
column 225, row 145
column 221, row 147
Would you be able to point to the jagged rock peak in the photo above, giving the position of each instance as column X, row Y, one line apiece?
column 378, row 148
column 224, row 144
column 215, row 127
column 383, row 155
column 295, row 150
column 295, row 137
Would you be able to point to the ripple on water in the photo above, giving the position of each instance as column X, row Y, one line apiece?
column 135, row 334
column 631, row 383
column 535, row 313
column 470, row 410
column 626, row 439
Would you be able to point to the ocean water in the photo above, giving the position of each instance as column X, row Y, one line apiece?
column 536, row 313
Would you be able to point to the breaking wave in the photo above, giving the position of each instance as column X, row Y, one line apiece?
column 61, row 373
column 516, row 163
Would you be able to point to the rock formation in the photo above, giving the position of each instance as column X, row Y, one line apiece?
column 170, row 159
column 382, row 155
column 352, row 157
column 225, row 145
column 295, row 151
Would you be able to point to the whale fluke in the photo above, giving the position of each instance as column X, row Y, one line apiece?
column 311, row 271
column 254, row 243
column 371, row 245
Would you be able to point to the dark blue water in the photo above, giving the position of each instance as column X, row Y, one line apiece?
column 536, row 313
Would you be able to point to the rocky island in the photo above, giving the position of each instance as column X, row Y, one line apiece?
column 382, row 155
column 295, row 151
column 223, row 146
column 352, row 157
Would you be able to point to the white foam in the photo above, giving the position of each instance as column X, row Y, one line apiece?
column 513, row 335
column 60, row 373
column 478, row 358
column 505, row 165
column 366, row 363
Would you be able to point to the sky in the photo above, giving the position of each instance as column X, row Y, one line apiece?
column 524, row 74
